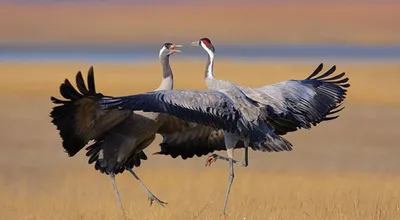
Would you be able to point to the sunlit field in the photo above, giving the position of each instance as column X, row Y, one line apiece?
column 348, row 168
column 198, row 194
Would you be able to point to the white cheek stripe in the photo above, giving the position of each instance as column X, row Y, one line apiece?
column 161, row 51
column 210, row 73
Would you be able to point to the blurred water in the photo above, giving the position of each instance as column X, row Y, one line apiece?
column 143, row 53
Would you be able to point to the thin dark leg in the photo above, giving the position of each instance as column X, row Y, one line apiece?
column 149, row 193
column 112, row 177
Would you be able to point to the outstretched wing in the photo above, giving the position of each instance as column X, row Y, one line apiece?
column 303, row 103
column 186, row 139
column 206, row 107
column 79, row 118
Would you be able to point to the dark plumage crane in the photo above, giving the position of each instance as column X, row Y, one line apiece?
column 119, row 136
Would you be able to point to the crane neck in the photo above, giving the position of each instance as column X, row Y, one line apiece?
column 167, row 82
column 209, row 74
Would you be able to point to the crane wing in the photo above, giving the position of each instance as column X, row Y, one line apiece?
column 186, row 139
column 302, row 103
column 206, row 107
column 79, row 118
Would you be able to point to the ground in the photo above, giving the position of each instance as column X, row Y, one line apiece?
column 343, row 169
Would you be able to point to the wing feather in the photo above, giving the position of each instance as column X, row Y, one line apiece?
column 185, row 139
column 79, row 118
column 207, row 107
column 301, row 103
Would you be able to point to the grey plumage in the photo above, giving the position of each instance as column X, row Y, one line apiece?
column 284, row 117
column 290, row 105
column 119, row 136
column 80, row 119
column 255, row 116
column 302, row 103
column 220, row 110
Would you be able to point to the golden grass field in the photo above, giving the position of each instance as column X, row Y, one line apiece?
column 346, row 169
column 355, row 22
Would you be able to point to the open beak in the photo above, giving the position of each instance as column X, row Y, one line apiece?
column 195, row 43
column 177, row 46
column 174, row 50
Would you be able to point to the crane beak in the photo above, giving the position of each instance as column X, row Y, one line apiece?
column 177, row 46
column 195, row 43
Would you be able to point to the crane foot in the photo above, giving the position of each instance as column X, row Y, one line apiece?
column 224, row 216
column 211, row 159
column 153, row 198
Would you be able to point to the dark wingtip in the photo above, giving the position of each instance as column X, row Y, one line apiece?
column 57, row 101
column 331, row 118
column 68, row 91
column 327, row 73
column 53, row 99
column 90, row 79
column 63, row 118
column 80, row 83
column 347, row 85
column 316, row 71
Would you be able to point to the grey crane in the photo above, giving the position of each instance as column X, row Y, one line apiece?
column 119, row 136
column 292, row 104
column 283, row 99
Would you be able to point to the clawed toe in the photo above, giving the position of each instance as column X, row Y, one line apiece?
column 223, row 216
column 211, row 159
column 152, row 199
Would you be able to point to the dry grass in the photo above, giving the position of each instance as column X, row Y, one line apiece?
column 199, row 195
column 344, row 169
column 306, row 22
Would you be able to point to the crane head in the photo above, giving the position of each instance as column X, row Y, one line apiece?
column 205, row 43
column 169, row 48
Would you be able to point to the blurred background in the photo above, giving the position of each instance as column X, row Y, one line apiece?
column 342, row 169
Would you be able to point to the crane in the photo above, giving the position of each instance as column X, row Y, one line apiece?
column 119, row 136
column 258, row 117
column 283, row 97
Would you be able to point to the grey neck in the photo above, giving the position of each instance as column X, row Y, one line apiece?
column 167, row 82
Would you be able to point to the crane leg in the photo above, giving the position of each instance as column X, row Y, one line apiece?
column 150, row 195
column 230, row 143
column 112, row 177
column 230, row 181
column 213, row 157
